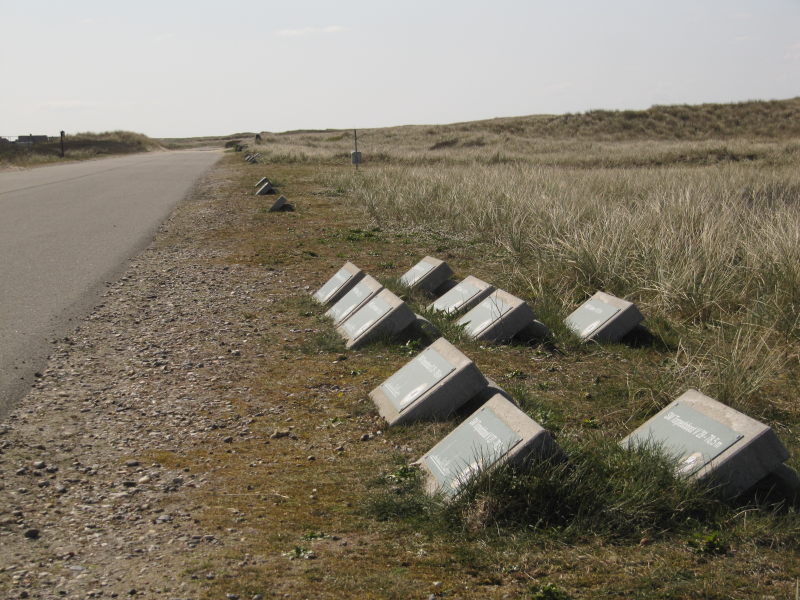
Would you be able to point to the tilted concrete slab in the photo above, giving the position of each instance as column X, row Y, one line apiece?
column 498, row 432
column 281, row 204
column 463, row 296
column 265, row 189
column 358, row 296
column 497, row 318
column 337, row 286
column 712, row 440
column 383, row 315
column 428, row 274
column 433, row 385
column 604, row 318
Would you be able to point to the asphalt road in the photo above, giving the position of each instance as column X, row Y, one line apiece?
column 64, row 231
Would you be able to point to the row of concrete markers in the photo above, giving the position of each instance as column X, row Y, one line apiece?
column 707, row 438
column 264, row 187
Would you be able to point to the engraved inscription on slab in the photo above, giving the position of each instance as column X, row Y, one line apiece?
column 417, row 272
column 457, row 297
column 483, row 315
column 476, row 444
column 334, row 283
column 416, row 378
column 590, row 316
column 693, row 438
column 366, row 317
column 350, row 300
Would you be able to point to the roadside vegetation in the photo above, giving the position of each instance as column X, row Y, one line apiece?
column 79, row 146
column 691, row 212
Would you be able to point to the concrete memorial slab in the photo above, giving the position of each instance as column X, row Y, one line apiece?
column 498, row 317
column 383, row 314
column 337, row 286
column 428, row 274
column 265, row 189
column 712, row 440
column 497, row 432
column 281, row 205
column 463, row 296
column 363, row 291
column 434, row 384
column 604, row 318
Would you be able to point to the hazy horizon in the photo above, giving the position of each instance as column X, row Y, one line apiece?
column 184, row 69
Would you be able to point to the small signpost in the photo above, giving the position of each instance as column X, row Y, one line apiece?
column 359, row 294
column 384, row 314
column 497, row 432
column 432, row 385
column 498, row 317
column 463, row 296
column 604, row 317
column 711, row 440
column 355, row 155
column 338, row 285
column 428, row 274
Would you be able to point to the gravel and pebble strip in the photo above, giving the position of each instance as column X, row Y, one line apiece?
column 82, row 513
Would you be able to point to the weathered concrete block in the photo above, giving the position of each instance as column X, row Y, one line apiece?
column 604, row 318
column 281, row 205
column 498, row 317
column 463, row 296
column 337, row 286
column 712, row 440
column 383, row 314
column 433, row 385
column 265, row 189
column 497, row 432
column 428, row 274
column 358, row 296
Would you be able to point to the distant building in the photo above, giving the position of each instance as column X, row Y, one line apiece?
column 31, row 139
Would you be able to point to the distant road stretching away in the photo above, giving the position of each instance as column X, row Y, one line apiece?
column 64, row 230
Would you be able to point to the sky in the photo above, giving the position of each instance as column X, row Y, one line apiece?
column 174, row 68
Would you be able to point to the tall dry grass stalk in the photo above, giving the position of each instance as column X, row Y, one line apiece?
column 702, row 246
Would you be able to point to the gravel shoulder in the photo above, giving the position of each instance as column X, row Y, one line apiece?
column 87, row 506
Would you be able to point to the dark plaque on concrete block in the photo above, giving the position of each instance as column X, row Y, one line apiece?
column 604, row 317
column 474, row 445
column 338, row 285
column 354, row 299
column 713, row 441
column 487, row 313
column 279, row 205
column 367, row 316
column 497, row 432
column 417, row 272
column 265, row 189
column 434, row 384
column 463, row 296
column 590, row 316
column 416, row 378
column 498, row 317
column 428, row 274
column 690, row 436
column 383, row 314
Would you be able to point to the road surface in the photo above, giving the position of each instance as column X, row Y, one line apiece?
column 66, row 229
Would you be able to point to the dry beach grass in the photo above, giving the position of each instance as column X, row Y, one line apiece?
column 303, row 490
